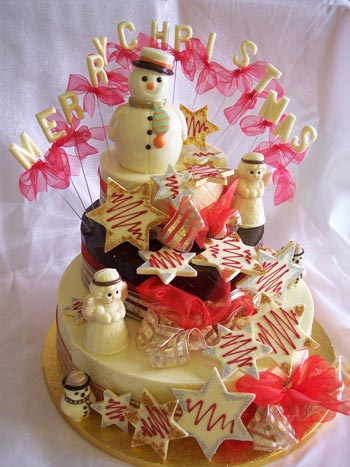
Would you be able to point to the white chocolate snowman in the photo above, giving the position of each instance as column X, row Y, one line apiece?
column 148, row 132
column 77, row 397
column 106, row 332
column 253, row 179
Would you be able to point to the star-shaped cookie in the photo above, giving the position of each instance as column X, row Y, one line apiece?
column 209, row 173
column 154, row 424
column 238, row 350
column 173, row 186
column 112, row 409
column 127, row 216
column 167, row 264
column 212, row 414
column 230, row 256
column 198, row 126
column 280, row 271
column 279, row 328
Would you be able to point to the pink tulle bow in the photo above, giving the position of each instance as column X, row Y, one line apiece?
column 248, row 101
column 78, row 137
column 107, row 94
column 280, row 155
column 208, row 71
column 124, row 57
column 241, row 78
column 53, row 170
column 253, row 125
column 186, row 59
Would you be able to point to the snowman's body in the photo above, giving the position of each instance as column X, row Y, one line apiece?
column 142, row 145
column 134, row 139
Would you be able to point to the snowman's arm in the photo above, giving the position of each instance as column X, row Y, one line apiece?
column 113, row 121
column 183, row 123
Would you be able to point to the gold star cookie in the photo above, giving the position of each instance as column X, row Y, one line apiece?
column 238, row 350
column 154, row 424
column 127, row 216
column 112, row 409
column 229, row 256
column 279, row 328
column 198, row 126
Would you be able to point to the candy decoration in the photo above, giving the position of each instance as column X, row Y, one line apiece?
column 212, row 414
column 154, row 424
column 230, row 257
column 280, row 271
column 271, row 430
column 172, row 186
column 75, row 310
column 128, row 216
column 198, row 126
column 209, row 173
column 167, row 264
column 237, row 350
column 112, row 409
column 181, row 229
column 279, row 329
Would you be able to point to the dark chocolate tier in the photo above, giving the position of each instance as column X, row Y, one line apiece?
column 126, row 260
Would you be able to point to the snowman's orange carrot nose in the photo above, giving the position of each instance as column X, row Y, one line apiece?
column 150, row 86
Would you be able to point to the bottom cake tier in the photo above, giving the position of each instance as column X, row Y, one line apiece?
column 183, row 452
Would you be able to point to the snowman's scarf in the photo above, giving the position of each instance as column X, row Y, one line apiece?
column 160, row 121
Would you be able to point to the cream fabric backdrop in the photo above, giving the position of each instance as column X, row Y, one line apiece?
column 42, row 42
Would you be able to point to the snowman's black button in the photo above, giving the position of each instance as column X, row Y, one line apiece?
column 150, row 132
column 150, row 118
column 148, row 147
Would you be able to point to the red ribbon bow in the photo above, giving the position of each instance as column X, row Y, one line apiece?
column 53, row 170
column 241, row 78
column 107, row 94
column 313, row 389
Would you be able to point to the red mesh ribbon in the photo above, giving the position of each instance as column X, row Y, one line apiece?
column 217, row 215
column 124, row 57
column 188, row 311
column 280, row 155
column 313, row 389
column 241, row 78
column 253, row 125
column 77, row 137
column 248, row 101
column 209, row 72
column 53, row 170
column 107, row 94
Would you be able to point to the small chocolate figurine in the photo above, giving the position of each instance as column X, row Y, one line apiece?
column 77, row 397
column 106, row 332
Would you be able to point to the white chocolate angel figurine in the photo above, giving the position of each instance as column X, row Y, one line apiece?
column 106, row 332
column 253, row 178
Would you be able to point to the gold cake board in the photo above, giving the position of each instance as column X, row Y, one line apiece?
column 183, row 452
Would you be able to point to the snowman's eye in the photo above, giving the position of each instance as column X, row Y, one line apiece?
column 159, row 79
column 252, row 172
column 109, row 295
column 144, row 78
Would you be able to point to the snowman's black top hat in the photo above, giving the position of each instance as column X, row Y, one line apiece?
column 155, row 60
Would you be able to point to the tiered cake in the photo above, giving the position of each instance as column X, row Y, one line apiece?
column 174, row 314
